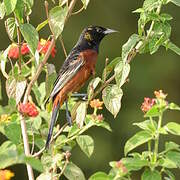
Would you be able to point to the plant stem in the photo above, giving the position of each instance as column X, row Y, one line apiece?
column 156, row 145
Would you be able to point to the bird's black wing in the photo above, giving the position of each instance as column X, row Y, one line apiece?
column 71, row 66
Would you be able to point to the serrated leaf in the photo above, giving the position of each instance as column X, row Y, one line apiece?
column 2, row 10
column 11, row 28
column 173, row 128
column 121, row 73
column 81, row 114
column 137, row 140
column 112, row 96
column 57, row 17
column 128, row 46
column 85, row 3
column 99, row 176
column 151, row 175
column 86, row 144
column 176, row 2
column 73, row 172
column 31, row 36
column 92, row 86
column 10, row 6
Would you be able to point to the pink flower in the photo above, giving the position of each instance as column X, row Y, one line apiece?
column 147, row 104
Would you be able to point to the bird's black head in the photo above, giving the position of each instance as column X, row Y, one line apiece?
column 91, row 37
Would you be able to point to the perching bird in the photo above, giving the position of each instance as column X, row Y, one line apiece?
column 76, row 70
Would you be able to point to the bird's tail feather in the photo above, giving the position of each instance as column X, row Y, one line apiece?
column 53, row 120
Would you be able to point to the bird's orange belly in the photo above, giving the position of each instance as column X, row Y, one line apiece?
column 73, row 85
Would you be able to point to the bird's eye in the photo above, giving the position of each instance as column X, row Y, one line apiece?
column 98, row 30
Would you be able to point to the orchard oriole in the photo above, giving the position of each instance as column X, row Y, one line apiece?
column 76, row 69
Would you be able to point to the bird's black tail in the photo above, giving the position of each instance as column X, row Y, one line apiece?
column 53, row 120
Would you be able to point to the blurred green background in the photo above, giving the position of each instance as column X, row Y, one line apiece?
column 148, row 73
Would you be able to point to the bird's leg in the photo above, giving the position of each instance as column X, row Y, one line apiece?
column 83, row 96
column 68, row 115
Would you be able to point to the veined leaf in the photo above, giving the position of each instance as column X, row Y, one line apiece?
column 151, row 175
column 86, row 144
column 2, row 10
column 57, row 17
column 173, row 47
column 128, row 46
column 31, row 36
column 173, row 128
column 73, row 172
column 176, row 2
column 137, row 140
column 99, row 176
column 174, row 156
column 11, row 28
column 10, row 6
column 112, row 96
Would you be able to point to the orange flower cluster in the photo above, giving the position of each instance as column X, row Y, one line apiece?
column 28, row 109
column 96, row 103
column 160, row 95
column 42, row 48
column 6, row 174
column 14, row 50
column 147, row 104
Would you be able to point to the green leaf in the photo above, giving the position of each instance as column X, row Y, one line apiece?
column 176, row 2
column 170, row 174
column 73, row 172
column 41, row 25
column 10, row 6
column 121, row 73
column 103, row 124
column 92, row 86
column 112, row 96
column 134, row 163
column 57, row 17
column 86, row 144
column 137, row 140
column 31, row 36
column 167, row 163
column 165, row 17
column 153, row 112
column 151, row 175
column 73, row 130
column 11, row 28
column 2, row 10
column 171, row 146
column 173, row 128
column 173, row 106
column 99, row 176
column 128, row 46
column 173, row 47
column 174, row 156
column 147, row 125
column 13, row 132
column 35, row 163
column 19, row 10
column 149, row 5
column 44, row 176
column 81, row 114
column 109, row 68
column 85, row 3
column 37, row 121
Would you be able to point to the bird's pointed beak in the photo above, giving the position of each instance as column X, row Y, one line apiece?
column 109, row 31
